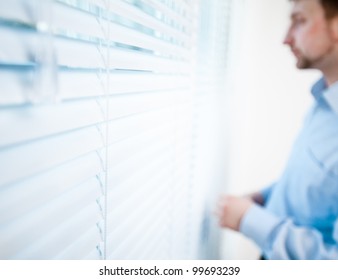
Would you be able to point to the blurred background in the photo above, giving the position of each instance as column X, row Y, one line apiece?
column 122, row 121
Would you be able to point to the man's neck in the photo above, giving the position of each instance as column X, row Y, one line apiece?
column 330, row 70
column 331, row 77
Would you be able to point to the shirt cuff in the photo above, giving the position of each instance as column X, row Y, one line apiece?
column 258, row 224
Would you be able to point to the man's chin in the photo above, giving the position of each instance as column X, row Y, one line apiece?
column 303, row 64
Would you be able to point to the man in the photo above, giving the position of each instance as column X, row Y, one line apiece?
column 297, row 217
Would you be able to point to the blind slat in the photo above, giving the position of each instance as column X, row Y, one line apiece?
column 34, row 123
column 133, row 198
column 135, row 124
column 17, row 10
column 127, row 148
column 50, row 245
column 136, row 15
column 18, row 199
column 140, row 229
column 70, row 19
column 19, row 84
column 93, row 255
column 82, row 246
column 16, row 85
column 159, row 248
column 26, row 160
column 179, row 17
column 128, row 184
column 51, row 216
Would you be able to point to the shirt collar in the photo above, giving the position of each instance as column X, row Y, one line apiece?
column 329, row 94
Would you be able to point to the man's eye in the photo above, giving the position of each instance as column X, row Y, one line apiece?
column 299, row 21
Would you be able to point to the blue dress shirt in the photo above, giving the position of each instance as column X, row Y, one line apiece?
column 300, row 216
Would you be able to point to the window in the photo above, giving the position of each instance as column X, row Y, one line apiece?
column 101, row 108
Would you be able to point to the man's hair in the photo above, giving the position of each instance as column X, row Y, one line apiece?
column 330, row 7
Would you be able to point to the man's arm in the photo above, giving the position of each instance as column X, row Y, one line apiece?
column 278, row 238
column 282, row 239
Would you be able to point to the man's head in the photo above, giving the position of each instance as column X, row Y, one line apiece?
column 313, row 33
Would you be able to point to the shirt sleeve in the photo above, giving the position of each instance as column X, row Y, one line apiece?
column 281, row 239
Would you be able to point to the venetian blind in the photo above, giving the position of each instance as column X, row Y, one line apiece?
column 96, row 118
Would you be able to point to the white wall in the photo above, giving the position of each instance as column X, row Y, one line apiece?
column 269, row 100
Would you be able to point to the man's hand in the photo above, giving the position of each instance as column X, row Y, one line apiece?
column 231, row 209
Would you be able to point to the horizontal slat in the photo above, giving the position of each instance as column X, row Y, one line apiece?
column 38, row 224
column 71, row 19
column 90, row 56
column 124, row 189
column 18, row 10
column 68, row 18
column 75, row 20
column 23, row 45
column 128, row 148
column 120, row 59
column 135, row 38
column 134, row 14
column 186, row 6
column 38, row 156
column 52, row 244
column 118, row 248
column 29, row 12
column 178, row 15
column 93, row 255
column 31, row 122
column 20, row 198
column 141, row 183
column 124, row 83
column 150, row 212
column 137, row 194
column 19, row 84
column 75, row 84
column 159, row 248
column 172, row 9
column 84, row 244
column 127, row 181
column 126, row 127
column 26, row 160
column 157, row 238
column 37, row 122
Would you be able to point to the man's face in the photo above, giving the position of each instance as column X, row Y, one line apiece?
column 309, row 35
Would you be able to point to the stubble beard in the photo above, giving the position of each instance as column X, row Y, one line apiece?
column 304, row 63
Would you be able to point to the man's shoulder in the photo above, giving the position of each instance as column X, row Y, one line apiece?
column 324, row 141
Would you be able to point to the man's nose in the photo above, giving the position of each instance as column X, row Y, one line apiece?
column 288, row 38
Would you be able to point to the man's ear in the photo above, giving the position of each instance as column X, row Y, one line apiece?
column 334, row 28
